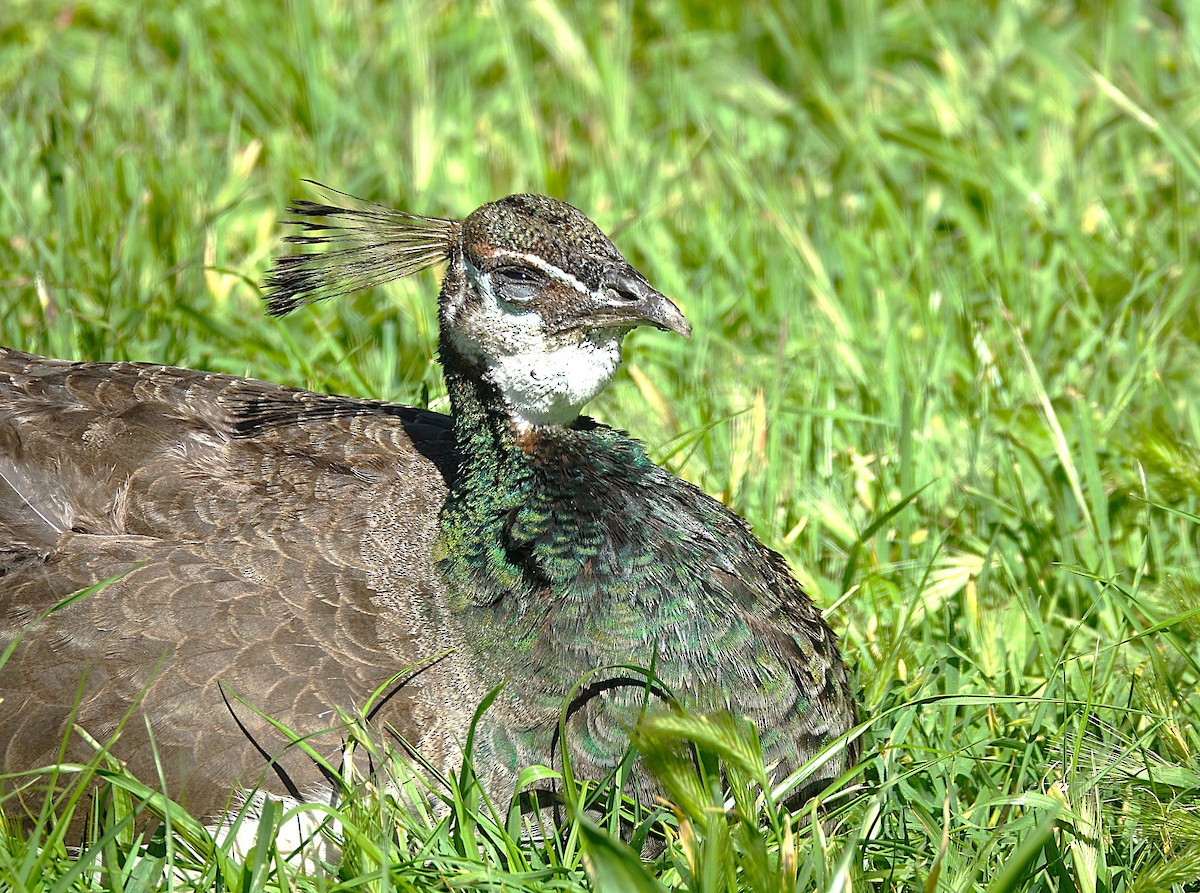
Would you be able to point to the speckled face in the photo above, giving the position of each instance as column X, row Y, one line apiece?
column 541, row 299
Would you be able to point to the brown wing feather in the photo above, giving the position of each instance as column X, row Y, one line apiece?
column 272, row 541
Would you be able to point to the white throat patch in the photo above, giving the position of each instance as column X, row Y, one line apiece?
column 550, row 385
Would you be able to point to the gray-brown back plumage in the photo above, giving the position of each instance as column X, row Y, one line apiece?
column 271, row 541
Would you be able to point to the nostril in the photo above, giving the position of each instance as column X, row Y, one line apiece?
column 626, row 289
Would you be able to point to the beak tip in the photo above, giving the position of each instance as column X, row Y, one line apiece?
column 668, row 317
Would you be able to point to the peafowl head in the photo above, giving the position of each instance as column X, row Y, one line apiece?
column 536, row 300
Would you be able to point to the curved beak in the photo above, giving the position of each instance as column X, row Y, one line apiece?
column 631, row 300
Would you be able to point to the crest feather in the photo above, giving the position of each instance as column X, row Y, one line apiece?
column 352, row 245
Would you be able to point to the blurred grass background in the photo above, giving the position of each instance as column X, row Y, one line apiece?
column 940, row 262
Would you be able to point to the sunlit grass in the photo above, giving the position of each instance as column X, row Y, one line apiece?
column 939, row 262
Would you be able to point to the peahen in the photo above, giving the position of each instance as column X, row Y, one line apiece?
column 280, row 551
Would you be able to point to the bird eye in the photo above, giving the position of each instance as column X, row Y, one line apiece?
column 519, row 283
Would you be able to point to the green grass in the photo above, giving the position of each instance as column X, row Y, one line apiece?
column 940, row 262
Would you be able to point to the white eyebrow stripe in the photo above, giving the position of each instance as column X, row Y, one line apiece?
column 555, row 272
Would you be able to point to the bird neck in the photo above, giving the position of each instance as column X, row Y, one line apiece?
column 495, row 479
column 512, row 525
column 493, row 464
